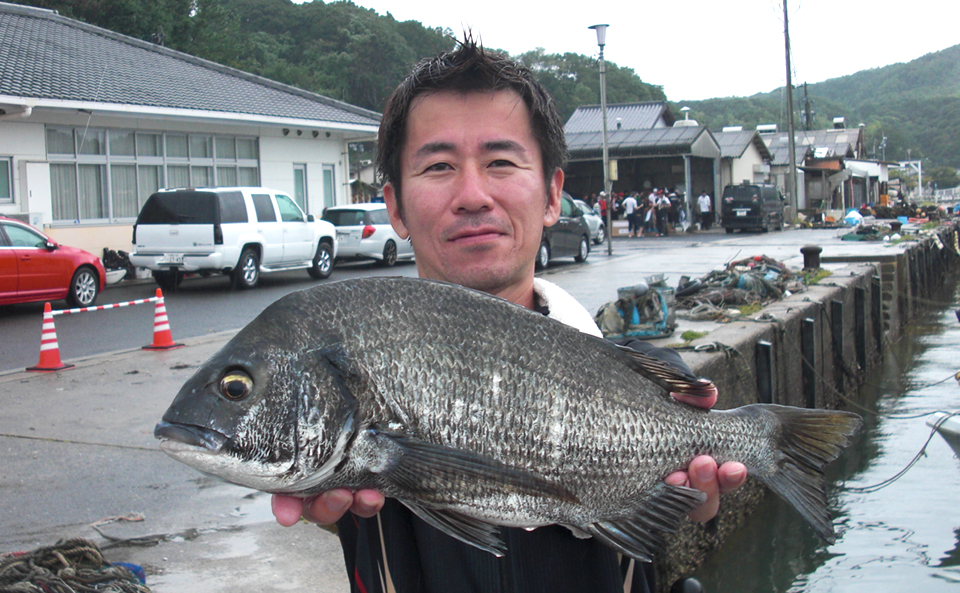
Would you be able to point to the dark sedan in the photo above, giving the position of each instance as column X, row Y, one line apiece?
column 569, row 237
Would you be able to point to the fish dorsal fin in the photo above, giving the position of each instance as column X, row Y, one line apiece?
column 469, row 530
column 641, row 535
column 666, row 375
column 431, row 472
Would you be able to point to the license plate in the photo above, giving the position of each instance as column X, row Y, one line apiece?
column 171, row 258
column 742, row 212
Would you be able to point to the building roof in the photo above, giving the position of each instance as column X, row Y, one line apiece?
column 47, row 60
column 835, row 143
column 734, row 144
column 632, row 143
column 630, row 116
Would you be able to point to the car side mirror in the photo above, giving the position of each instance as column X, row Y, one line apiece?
column 310, row 218
column 51, row 246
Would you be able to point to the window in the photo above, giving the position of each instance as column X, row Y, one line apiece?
column 329, row 189
column 264, row 208
column 300, row 185
column 288, row 210
column 107, row 174
column 6, row 179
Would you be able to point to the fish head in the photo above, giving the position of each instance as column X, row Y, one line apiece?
column 264, row 412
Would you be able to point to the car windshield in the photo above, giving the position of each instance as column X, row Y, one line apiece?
column 344, row 217
column 742, row 193
column 187, row 207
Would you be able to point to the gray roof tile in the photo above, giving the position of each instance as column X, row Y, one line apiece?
column 46, row 56
column 632, row 116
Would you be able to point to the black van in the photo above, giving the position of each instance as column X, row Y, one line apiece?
column 752, row 206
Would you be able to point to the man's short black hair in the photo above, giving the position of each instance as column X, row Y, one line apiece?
column 470, row 68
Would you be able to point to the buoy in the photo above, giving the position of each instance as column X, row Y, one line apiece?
column 49, row 348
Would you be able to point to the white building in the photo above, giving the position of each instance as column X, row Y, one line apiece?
column 93, row 122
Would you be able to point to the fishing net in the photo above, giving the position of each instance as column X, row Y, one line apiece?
column 70, row 566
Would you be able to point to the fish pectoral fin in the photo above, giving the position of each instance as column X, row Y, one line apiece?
column 442, row 475
column 640, row 536
column 469, row 530
column 666, row 375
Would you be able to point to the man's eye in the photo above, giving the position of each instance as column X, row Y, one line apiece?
column 439, row 167
column 502, row 163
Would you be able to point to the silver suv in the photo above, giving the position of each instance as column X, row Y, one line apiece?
column 240, row 231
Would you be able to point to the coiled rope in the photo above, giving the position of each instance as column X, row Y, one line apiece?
column 70, row 566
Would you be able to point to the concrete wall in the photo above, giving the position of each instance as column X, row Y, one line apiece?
column 853, row 314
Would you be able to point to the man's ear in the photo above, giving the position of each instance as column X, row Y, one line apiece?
column 393, row 210
column 552, row 214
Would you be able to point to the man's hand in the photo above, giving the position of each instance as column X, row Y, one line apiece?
column 327, row 508
column 703, row 473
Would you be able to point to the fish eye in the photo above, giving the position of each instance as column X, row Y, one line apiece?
column 236, row 385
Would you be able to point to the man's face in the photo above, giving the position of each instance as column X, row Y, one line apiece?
column 474, row 197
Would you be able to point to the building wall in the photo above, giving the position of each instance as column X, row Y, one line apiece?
column 25, row 143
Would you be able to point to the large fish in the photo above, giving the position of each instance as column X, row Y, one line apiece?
column 475, row 412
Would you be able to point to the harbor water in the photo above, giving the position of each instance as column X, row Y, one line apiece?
column 904, row 536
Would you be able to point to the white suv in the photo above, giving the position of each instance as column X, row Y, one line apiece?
column 240, row 231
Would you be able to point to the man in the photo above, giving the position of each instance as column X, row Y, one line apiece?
column 629, row 209
column 472, row 151
column 706, row 210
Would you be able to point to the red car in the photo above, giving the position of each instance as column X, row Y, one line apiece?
column 33, row 267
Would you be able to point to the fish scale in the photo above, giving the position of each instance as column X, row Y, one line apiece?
column 469, row 409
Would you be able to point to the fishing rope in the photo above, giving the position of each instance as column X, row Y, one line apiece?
column 70, row 566
column 891, row 480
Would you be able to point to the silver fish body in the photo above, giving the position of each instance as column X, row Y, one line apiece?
column 475, row 412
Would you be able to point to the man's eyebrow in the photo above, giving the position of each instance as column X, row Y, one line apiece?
column 504, row 145
column 431, row 148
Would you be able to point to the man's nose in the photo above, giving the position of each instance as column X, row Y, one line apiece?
column 473, row 191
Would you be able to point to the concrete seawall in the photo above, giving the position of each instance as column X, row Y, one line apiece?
column 841, row 326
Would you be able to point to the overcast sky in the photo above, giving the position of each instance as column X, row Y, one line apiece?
column 699, row 49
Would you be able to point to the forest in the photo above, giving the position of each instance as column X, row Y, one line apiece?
column 347, row 52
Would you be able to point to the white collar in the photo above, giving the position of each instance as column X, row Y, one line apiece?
column 563, row 307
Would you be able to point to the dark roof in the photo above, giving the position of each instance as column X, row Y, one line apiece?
column 813, row 143
column 632, row 116
column 46, row 56
column 626, row 143
column 734, row 144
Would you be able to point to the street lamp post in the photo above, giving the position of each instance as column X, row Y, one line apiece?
column 607, row 187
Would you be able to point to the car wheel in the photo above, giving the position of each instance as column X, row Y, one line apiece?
column 84, row 287
column 322, row 262
column 168, row 281
column 584, row 250
column 543, row 256
column 247, row 272
column 601, row 235
column 389, row 254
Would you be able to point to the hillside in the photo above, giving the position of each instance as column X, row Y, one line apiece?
column 915, row 105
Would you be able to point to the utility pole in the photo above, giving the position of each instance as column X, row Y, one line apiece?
column 792, row 174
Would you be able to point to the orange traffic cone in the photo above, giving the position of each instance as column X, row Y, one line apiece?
column 49, row 348
column 162, row 340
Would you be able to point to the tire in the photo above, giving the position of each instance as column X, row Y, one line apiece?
column 84, row 287
column 247, row 273
column 322, row 262
column 601, row 235
column 168, row 281
column 389, row 255
column 543, row 256
column 584, row 252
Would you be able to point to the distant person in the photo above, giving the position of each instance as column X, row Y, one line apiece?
column 705, row 205
column 630, row 211
column 663, row 212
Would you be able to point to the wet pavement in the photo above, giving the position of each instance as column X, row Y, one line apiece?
column 80, row 459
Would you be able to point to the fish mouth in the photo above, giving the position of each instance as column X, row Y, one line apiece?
column 187, row 434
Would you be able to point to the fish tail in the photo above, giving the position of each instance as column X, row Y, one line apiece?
column 803, row 442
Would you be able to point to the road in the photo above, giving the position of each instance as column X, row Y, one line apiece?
column 200, row 306
column 204, row 306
